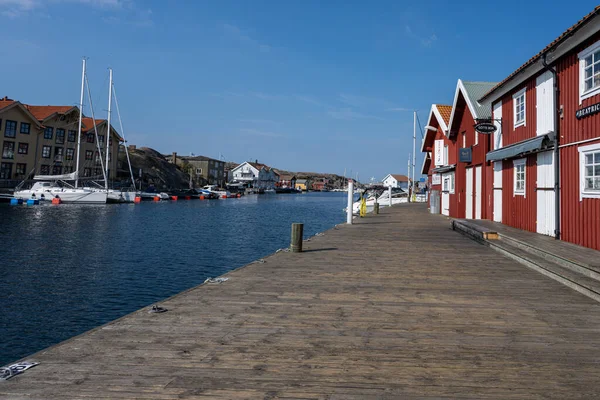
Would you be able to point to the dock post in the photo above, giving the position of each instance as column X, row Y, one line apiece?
column 376, row 207
column 390, row 194
column 297, row 234
column 350, row 201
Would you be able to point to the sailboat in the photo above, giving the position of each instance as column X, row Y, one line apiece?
column 49, row 188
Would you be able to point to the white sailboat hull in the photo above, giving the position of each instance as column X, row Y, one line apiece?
column 66, row 195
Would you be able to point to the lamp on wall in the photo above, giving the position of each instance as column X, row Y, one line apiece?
column 431, row 128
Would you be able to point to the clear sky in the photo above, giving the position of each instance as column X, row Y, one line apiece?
column 305, row 85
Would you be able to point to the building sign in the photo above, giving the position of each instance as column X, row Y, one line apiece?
column 464, row 154
column 436, row 179
column 589, row 110
column 485, row 127
column 438, row 153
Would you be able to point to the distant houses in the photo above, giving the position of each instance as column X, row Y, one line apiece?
column 396, row 181
column 203, row 170
column 256, row 175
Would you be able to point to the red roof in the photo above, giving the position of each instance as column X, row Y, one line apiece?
column 555, row 42
column 5, row 102
column 400, row 178
column 445, row 112
column 88, row 123
column 43, row 112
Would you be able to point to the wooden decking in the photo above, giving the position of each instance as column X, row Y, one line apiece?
column 398, row 306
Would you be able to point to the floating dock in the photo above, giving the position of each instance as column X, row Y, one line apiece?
column 396, row 306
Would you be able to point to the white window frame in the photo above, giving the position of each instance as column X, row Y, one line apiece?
column 448, row 178
column 451, row 182
column 520, row 93
column 476, row 138
column 464, row 135
column 582, row 55
column 446, row 155
column 519, row 162
column 583, row 151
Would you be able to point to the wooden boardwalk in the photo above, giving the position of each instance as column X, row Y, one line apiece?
column 398, row 306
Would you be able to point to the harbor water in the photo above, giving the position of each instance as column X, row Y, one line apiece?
column 65, row 269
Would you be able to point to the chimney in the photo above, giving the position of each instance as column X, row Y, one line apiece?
column 174, row 158
column 256, row 161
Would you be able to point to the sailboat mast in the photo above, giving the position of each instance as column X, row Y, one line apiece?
column 79, row 129
column 123, row 136
column 107, row 139
column 408, row 176
column 414, row 150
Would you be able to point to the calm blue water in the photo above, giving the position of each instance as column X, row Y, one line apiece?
column 69, row 268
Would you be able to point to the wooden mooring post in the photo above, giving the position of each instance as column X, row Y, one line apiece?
column 376, row 207
column 297, row 234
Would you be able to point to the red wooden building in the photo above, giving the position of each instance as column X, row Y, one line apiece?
column 439, row 157
column 561, row 83
column 471, row 199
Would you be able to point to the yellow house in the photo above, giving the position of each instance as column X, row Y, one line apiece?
column 301, row 184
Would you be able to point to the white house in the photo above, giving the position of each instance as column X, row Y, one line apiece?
column 396, row 181
column 257, row 175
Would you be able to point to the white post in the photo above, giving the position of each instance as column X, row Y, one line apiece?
column 79, row 130
column 390, row 194
column 107, row 138
column 350, row 201
column 414, row 156
column 408, row 183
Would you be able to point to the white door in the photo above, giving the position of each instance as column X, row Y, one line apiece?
column 478, row 192
column 446, row 194
column 545, row 193
column 544, row 106
column 469, row 195
column 498, row 191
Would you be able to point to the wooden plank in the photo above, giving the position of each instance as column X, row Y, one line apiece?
column 394, row 306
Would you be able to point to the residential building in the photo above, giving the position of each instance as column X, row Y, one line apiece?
column 472, row 196
column 440, row 158
column 320, row 184
column 90, row 164
column 396, row 181
column 549, row 107
column 204, row 170
column 19, row 132
column 286, row 181
column 256, row 175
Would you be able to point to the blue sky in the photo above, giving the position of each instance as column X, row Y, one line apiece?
column 321, row 86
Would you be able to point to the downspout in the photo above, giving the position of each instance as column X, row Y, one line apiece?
column 556, row 149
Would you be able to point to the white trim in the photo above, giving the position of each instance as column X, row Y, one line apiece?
column 583, row 150
column 520, row 161
column 581, row 56
column 460, row 87
column 580, row 142
column 438, row 115
column 522, row 92
column 433, row 112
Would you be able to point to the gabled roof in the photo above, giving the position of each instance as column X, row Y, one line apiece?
column 471, row 92
column 259, row 166
column 426, row 163
column 7, row 104
column 442, row 116
column 42, row 113
column 398, row 177
column 562, row 38
column 88, row 126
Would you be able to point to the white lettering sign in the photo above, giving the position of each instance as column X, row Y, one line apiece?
column 439, row 153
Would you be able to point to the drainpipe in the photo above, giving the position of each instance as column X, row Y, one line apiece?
column 556, row 149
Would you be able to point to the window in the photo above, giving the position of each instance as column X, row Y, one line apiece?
column 10, row 129
column 21, row 169
column 97, row 158
column 590, row 171
column 97, row 171
column 519, row 184
column 48, row 132
column 476, row 138
column 589, row 72
column 464, row 135
column 25, row 129
column 68, row 169
column 23, row 148
column 8, row 150
column 446, row 155
column 60, row 136
column 448, row 182
column 90, row 138
column 45, row 170
column 71, row 135
column 70, row 154
column 100, row 138
column 198, row 171
column 519, row 108
column 89, row 155
column 58, row 154
column 57, row 170
column 5, row 170
column 46, row 150
column 87, row 172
